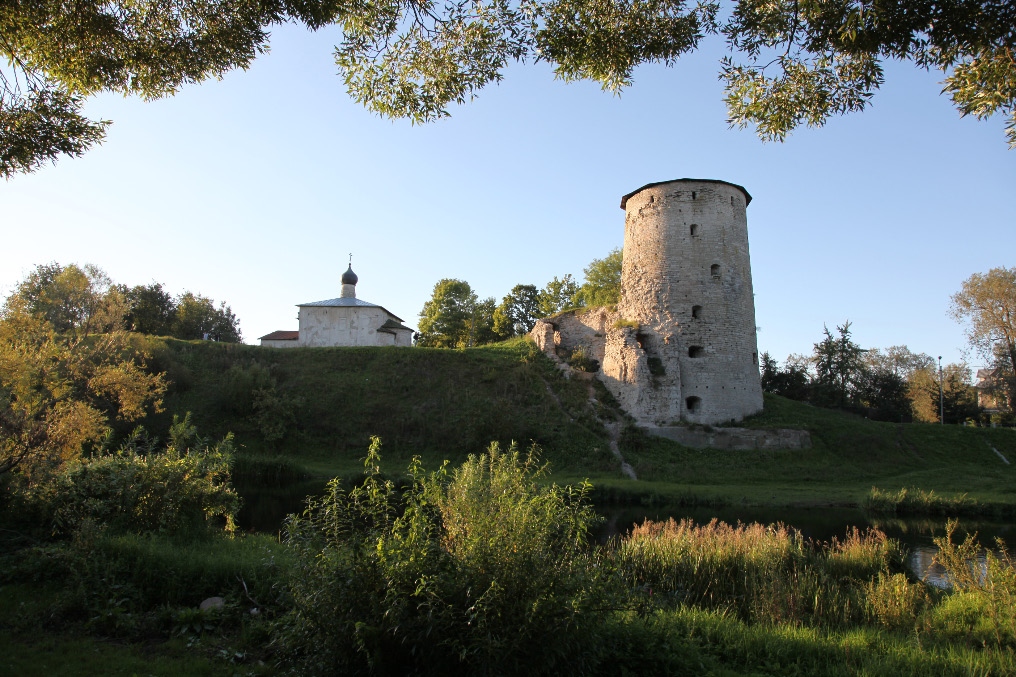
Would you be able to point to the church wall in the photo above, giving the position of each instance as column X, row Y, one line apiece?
column 404, row 337
column 322, row 326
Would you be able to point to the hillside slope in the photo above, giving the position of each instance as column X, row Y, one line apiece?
column 319, row 407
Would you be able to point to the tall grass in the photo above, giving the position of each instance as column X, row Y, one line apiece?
column 982, row 606
column 761, row 573
column 916, row 501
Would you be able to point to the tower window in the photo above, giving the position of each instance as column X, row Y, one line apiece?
column 694, row 230
column 696, row 312
column 714, row 270
column 696, row 351
column 693, row 403
column 694, row 195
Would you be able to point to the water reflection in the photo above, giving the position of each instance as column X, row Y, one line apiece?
column 265, row 509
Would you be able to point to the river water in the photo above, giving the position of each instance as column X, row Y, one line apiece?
column 265, row 509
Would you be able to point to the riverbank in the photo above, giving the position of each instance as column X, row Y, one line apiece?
column 483, row 558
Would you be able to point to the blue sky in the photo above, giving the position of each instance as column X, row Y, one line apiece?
column 254, row 190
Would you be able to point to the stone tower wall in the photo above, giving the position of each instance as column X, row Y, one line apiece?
column 686, row 281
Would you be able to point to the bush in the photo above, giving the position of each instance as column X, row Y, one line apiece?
column 579, row 360
column 480, row 570
column 137, row 489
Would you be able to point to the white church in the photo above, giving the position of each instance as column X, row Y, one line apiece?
column 345, row 321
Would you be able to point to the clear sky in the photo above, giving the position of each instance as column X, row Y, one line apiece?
column 255, row 189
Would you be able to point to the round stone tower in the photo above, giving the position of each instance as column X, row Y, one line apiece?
column 686, row 282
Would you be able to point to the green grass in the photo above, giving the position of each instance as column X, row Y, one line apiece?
column 439, row 404
column 446, row 404
column 849, row 456
column 35, row 640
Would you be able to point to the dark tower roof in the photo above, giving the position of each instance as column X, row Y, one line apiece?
column 747, row 197
column 349, row 277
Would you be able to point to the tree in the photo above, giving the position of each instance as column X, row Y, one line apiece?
column 791, row 382
column 837, row 367
column 987, row 303
column 59, row 53
column 898, row 360
column 59, row 390
column 482, row 322
column 959, row 401
column 558, row 295
column 884, row 394
column 518, row 312
column 150, row 309
column 73, row 300
column 197, row 317
column 790, row 62
column 603, row 281
column 446, row 320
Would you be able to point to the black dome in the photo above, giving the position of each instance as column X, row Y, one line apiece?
column 349, row 277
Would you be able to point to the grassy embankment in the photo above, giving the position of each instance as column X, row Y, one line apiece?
column 487, row 573
column 325, row 404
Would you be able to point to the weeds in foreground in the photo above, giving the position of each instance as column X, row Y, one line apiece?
column 983, row 601
column 480, row 570
column 760, row 573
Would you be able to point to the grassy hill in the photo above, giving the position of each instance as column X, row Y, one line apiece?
column 316, row 409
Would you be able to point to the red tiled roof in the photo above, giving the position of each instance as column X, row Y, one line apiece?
column 281, row 336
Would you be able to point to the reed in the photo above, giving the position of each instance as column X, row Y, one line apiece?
column 759, row 573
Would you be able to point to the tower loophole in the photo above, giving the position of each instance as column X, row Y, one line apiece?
column 693, row 403
column 696, row 351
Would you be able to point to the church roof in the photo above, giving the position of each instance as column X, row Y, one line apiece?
column 391, row 325
column 281, row 335
column 347, row 302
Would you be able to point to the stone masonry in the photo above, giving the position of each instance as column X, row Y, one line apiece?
column 681, row 344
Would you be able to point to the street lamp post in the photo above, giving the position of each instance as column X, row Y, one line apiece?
column 941, row 402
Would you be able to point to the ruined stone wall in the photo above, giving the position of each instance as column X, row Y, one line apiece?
column 686, row 280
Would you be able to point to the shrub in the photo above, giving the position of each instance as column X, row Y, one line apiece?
column 480, row 570
column 136, row 489
column 579, row 360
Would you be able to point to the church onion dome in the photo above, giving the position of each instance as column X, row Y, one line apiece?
column 349, row 277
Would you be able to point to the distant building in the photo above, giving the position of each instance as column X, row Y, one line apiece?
column 280, row 339
column 990, row 393
column 343, row 321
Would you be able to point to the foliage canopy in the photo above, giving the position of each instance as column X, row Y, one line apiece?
column 790, row 62
column 987, row 303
